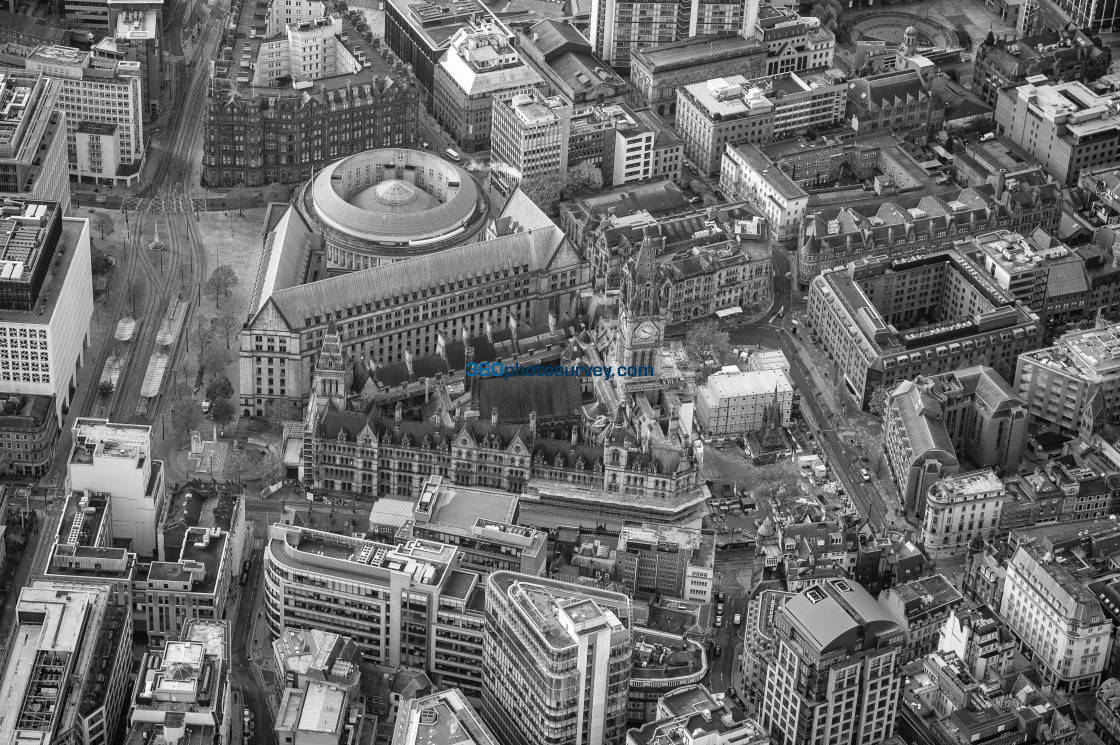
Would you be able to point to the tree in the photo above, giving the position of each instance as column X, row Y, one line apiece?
column 216, row 359
column 105, row 388
column 101, row 263
column 776, row 479
column 237, row 464
column 222, row 280
column 104, row 223
column 222, row 412
column 878, row 403
column 177, row 392
column 226, row 325
column 544, row 192
column 203, row 338
column 879, row 463
column 583, row 178
column 707, row 340
column 828, row 11
column 219, row 389
column 275, row 416
column 185, row 415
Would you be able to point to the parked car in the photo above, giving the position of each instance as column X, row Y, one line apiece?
column 719, row 622
column 738, row 619
column 865, row 474
column 719, row 609
column 720, row 596
column 719, row 651
column 205, row 406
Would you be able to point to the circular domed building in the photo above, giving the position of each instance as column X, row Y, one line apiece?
column 386, row 205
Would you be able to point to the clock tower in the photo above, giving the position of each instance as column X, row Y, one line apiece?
column 642, row 315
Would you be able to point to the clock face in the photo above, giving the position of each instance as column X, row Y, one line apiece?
column 646, row 332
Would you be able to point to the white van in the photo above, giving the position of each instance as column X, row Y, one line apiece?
column 453, row 154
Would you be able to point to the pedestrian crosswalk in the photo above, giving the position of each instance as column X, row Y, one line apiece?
column 164, row 204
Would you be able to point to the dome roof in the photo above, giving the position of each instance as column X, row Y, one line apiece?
column 394, row 192
column 910, row 31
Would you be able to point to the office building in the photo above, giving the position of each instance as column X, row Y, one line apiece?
column 836, row 675
column 420, row 33
column 1055, row 14
column 959, row 509
column 102, row 98
column 402, row 605
column 68, row 653
column 1052, row 613
column 319, row 700
column 480, row 66
column 731, row 404
column 896, row 100
column 625, row 145
column 83, row 553
column 196, row 587
column 289, row 315
column 794, row 43
column 306, row 656
column 666, row 560
column 529, row 141
column 870, row 318
column 657, row 72
column 930, row 419
column 1069, row 54
column 485, row 533
column 555, row 647
column 45, row 319
column 33, row 139
column 136, row 34
column 921, row 607
column 993, row 161
column 619, row 26
column 1064, row 126
column 732, row 110
column 1073, row 387
column 691, row 715
column 183, row 689
column 701, row 278
column 383, row 206
column 836, row 236
column 745, row 174
column 320, row 91
column 569, row 67
column 441, row 717
column 662, row 662
column 117, row 459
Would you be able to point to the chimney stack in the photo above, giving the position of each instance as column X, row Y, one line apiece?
column 533, row 424
column 494, row 416
column 1001, row 183
column 399, row 411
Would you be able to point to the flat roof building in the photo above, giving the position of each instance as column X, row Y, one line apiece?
column 443, row 717
column 481, row 65
column 68, row 658
column 117, row 459
column 550, row 642
column 33, row 139
column 734, row 403
column 1070, row 127
column 868, row 315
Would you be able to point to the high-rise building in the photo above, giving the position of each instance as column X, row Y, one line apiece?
column 731, row 404
column 619, row 27
column 529, row 140
column 46, row 305
column 1065, row 126
column 480, row 66
column 836, row 681
column 556, row 662
column 102, row 97
column 1074, row 386
column 1053, row 614
column 1055, row 14
column 68, row 656
column 402, row 605
column 33, row 139
column 117, row 459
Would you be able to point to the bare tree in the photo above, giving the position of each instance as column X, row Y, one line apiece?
column 104, row 224
column 780, row 477
column 227, row 325
column 222, row 280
